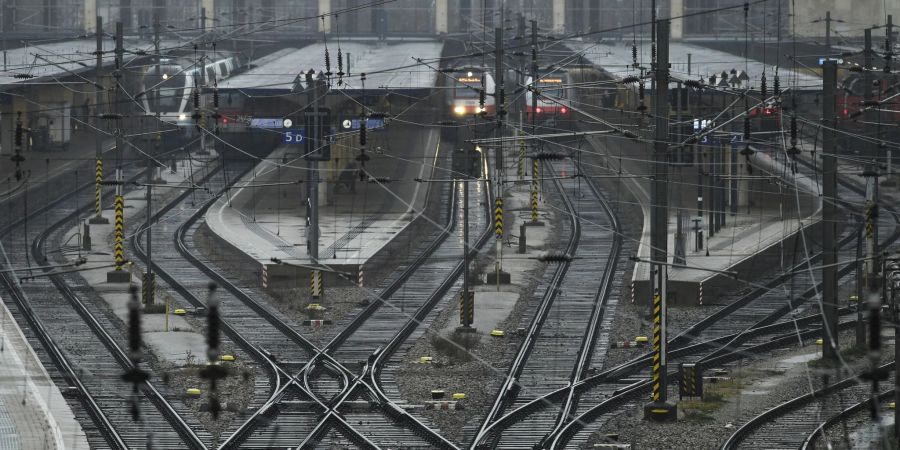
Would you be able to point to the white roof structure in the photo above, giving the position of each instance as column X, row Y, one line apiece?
column 615, row 58
column 389, row 66
column 45, row 62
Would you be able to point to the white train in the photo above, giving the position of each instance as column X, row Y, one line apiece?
column 168, row 86
column 465, row 91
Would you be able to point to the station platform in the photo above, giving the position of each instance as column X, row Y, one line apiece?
column 752, row 237
column 265, row 216
column 33, row 412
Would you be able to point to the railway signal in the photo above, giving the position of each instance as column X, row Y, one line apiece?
column 135, row 375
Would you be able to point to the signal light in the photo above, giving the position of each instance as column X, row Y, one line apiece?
column 539, row 110
column 564, row 110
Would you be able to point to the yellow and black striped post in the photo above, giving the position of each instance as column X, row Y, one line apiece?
column 498, row 217
column 657, row 376
column 98, row 195
column 119, row 250
column 691, row 380
column 315, row 284
column 467, row 308
column 98, row 188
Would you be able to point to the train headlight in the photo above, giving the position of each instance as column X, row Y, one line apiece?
column 460, row 110
column 182, row 116
column 165, row 76
column 479, row 110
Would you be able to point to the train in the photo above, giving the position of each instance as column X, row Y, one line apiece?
column 470, row 91
column 553, row 100
column 168, row 84
column 850, row 100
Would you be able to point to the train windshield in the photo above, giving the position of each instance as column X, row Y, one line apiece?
column 467, row 86
column 551, row 87
column 166, row 87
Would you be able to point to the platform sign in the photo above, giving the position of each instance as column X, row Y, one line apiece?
column 838, row 60
column 372, row 123
column 258, row 122
column 317, row 149
column 294, row 136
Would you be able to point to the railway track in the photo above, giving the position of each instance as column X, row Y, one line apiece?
column 91, row 358
column 606, row 390
column 373, row 337
column 570, row 305
column 792, row 423
column 247, row 323
column 286, row 418
column 814, row 438
column 417, row 284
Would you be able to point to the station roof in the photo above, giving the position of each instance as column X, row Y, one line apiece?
column 615, row 58
column 388, row 65
column 43, row 63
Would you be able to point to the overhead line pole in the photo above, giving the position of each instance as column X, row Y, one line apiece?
column 830, row 347
column 98, row 142
column 499, row 100
column 659, row 409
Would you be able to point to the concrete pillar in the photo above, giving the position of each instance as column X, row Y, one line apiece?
column 90, row 16
column 440, row 17
column 559, row 16
column 325, row 8
column 210, row 7
column 676, row 9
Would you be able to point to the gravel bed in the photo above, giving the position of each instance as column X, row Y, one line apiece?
column 234, row 393
column 478, row 374
column 754, row 386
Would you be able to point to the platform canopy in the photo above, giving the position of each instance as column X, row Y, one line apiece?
column 390, row 66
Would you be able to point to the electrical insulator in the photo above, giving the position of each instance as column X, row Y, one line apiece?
column 327, row 62
column 502, row 99
column 216, row 97
column 653, row 52
column 793, row 131
column 776, row 87
column 196, row 100
column 481, row 98
column 634, row 55
column 747, row 128
column 641, row 107
column 762, row 86
column 340, row 63
column 19, row 130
